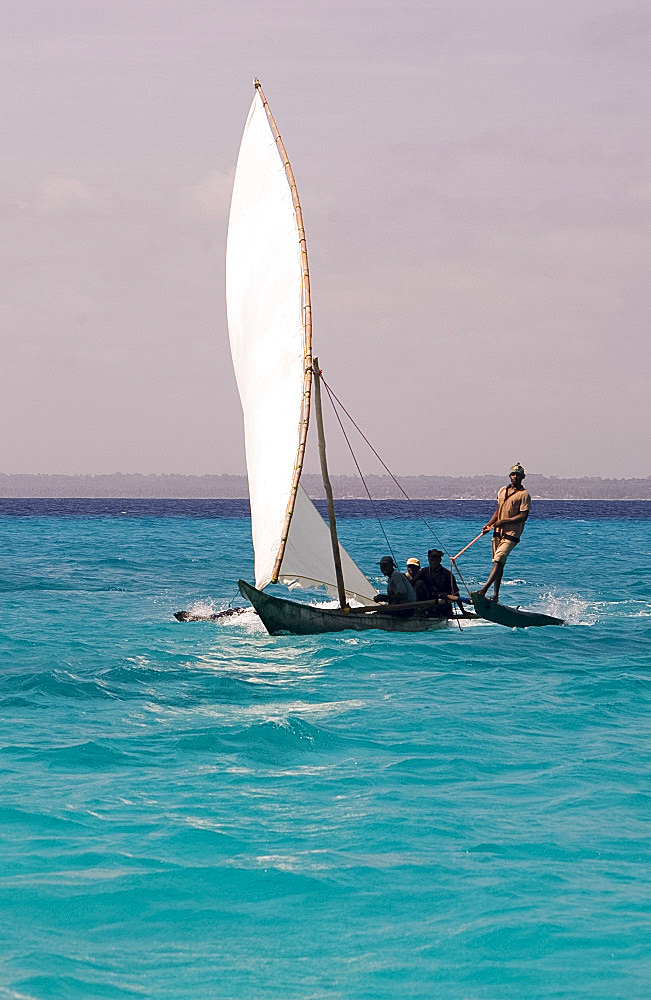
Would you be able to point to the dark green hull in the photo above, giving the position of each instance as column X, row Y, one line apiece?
column 511, row 617
column 280, row 616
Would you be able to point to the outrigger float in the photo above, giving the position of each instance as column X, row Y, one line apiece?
column 500, row 614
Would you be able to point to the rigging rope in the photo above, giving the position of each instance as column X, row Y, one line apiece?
column 361, row 475
column 334, row 398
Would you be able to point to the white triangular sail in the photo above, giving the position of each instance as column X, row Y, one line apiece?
column 308, row 559
column 271, row 352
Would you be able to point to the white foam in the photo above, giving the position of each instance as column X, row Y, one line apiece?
column 572, row 608
column 204, row 608
column 247, row 619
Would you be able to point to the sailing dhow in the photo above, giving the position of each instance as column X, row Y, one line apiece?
column 270, row 330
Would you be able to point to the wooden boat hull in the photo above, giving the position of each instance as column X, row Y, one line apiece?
column 280, row 616
column 510, row 617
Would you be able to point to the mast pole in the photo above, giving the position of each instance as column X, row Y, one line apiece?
column 307, row 332
column 341, row 590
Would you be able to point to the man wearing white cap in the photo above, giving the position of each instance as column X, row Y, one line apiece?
column 399, row 589
column 513, row 506
column 413, row 569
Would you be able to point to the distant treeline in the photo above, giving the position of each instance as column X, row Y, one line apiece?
column 380, row 487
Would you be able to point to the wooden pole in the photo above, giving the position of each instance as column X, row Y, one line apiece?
column 454, row 558
column 326, row 484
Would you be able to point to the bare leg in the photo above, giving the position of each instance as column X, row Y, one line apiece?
column 498, row 579
column 494, row 578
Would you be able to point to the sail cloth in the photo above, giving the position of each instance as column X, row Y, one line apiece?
column 264, row 292
column 308, row 560
column 265, row 322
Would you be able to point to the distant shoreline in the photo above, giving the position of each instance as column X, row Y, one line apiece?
column 364, row 499
column 228, row 487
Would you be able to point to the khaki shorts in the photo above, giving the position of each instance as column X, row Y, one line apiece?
column 502, row 548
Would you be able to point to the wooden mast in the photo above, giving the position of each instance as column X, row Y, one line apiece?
column 341, row 590
column 307, row 335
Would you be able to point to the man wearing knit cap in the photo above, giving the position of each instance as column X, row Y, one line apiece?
column 399, row 589
column 513, row 506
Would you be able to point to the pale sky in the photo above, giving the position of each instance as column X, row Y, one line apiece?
column 475, row 185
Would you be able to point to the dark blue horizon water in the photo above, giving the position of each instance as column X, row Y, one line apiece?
column 360, row 508
column 203, row 811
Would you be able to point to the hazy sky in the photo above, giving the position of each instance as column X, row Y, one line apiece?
column 475, row 185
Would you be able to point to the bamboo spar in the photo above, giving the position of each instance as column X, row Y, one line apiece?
column 307, row 333
column 336, row 554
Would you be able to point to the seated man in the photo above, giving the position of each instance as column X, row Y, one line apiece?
column 413, row 569
column 436, row 583
column 399, row 589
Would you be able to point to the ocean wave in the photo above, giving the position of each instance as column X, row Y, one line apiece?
column 37, row 821
column 54, row 684
column 289, row 740
column 191, row 808
column 88, row 756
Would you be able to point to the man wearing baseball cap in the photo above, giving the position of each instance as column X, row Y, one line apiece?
column 413, row 569
column 513, row 506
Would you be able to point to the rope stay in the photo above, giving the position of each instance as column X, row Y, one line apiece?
column 336, row 402
column 360, row 473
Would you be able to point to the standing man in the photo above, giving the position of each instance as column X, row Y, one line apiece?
column 513, row 506
column 436, row 583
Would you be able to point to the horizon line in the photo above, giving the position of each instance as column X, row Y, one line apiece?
column 346, row 475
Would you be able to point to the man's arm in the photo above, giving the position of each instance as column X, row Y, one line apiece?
column 490, row 524
column 514, row 519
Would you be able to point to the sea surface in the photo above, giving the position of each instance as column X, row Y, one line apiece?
column 201, row 811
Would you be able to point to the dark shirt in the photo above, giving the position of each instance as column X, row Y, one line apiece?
column 431, row 583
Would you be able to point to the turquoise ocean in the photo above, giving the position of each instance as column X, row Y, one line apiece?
column 200, row 810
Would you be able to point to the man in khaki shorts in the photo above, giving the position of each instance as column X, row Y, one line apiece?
column 513, row 506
